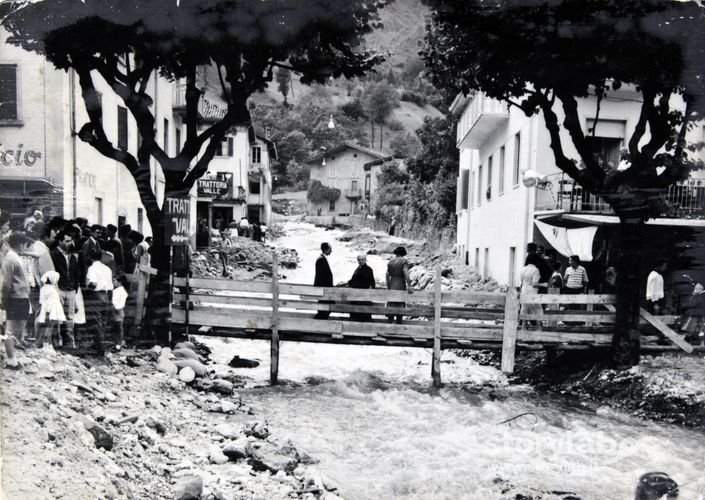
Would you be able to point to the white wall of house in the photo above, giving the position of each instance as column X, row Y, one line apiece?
column 343, row 170
column 494, row 231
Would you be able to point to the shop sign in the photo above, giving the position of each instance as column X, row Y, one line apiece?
column 177, row 212
column 219, row 187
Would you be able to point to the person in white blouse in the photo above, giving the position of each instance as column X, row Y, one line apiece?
column 654, row 288
column 99, row 284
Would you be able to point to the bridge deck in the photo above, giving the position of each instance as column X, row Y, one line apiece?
column 432, row 319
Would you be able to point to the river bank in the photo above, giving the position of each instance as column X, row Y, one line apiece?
column 117, row 427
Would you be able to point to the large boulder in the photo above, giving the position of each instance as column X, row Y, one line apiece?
column 102, row 438
column 239, row 448
column 223, row 386
column 198, row 368
column 238, row 362
column 269, row 458
column 188, row 488
column 167, row 366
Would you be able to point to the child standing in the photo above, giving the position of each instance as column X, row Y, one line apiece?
column 51, row 312
column 119, row 299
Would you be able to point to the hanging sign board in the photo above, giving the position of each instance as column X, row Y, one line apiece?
column 177, row 212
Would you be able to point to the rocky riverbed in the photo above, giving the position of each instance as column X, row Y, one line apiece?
column 118, row 427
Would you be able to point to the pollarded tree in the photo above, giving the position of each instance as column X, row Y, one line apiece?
column 128, row 42
column 543, row 56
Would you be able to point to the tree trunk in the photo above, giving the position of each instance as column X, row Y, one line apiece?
column 626, row 338
column 372, row 133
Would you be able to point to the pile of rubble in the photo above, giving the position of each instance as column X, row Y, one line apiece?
column 247, row 259
column 128, row 426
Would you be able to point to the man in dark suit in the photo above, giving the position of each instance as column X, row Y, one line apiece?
column 323, row 277
column 66, row 264
column 90, row 246
column 364, row 278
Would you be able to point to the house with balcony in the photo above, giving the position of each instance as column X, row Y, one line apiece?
column 350, row 168
column 510, row 191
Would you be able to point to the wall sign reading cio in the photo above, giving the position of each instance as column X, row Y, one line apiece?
column 18, row 157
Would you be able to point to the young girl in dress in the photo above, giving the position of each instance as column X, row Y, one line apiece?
column 51, row 312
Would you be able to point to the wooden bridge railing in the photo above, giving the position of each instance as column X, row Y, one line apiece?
column 433, row 319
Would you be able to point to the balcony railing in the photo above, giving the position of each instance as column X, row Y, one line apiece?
column 208, row 110
column 481, row 118
column 684, row 199
column 352, row 194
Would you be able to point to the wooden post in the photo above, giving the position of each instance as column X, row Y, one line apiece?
column 274, row 352
column 142, row 279
column 436, row 362
column 511, row 325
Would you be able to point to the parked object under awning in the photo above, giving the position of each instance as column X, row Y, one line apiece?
column 601, row 220
column 569, row 242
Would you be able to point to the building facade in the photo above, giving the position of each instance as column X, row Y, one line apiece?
column 238, row 184
column 45, row 166
column 510, row 192
column 351, row 169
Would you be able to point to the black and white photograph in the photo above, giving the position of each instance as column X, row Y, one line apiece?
column 352, row 249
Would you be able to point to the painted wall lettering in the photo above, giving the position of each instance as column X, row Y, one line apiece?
column 18, row 157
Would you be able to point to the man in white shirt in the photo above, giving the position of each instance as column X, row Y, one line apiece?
column 99, row 284
column 654, row 288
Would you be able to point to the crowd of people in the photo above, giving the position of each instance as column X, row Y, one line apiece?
column 62, row 279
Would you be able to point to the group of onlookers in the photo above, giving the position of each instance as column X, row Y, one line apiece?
column 397, row 278
column 60, row 278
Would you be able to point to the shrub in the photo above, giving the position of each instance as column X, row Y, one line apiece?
column 318, row 193
column 415, row 97
column 395, row 125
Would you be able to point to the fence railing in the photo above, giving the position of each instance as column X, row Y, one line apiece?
column 434, row 319
column 561, row 192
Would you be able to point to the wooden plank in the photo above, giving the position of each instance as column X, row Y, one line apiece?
column 471, row 297
column 225, row 284
column 223, row 300
column 509, row 334
column 436, row 360
column 567, row 316
column 274, row 350
column 356, row 294
column 142, row 283
column 560, row 337
column 666, row 331
column 568, row 299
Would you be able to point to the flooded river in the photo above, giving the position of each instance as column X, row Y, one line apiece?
column 380, row 431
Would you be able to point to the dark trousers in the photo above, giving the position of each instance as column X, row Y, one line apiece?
column 323, row 314
column 360, row 316
column 651, row 306
column 97, row 316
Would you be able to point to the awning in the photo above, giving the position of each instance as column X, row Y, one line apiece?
column 602, row 220
column 569, row 242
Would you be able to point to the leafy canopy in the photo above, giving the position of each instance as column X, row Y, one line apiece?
column 126, row 42
column 537, row 53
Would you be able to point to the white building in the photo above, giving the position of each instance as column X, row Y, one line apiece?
column 44, row 164
column 238, row 184
column 498, row 214
column 351, row 169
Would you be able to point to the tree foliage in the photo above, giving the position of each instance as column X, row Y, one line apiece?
column 438, row 155
column 127, row 42
column 318, row 193
column 540, row 55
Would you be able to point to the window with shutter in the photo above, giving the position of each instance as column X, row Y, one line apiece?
column 8, row 92
column 122, row 128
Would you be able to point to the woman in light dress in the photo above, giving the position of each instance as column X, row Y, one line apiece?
column 530, row 278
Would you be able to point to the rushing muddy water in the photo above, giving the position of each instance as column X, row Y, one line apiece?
column 380, row 431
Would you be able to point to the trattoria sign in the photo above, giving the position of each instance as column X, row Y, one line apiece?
column 213, row 188
column 177, row 212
